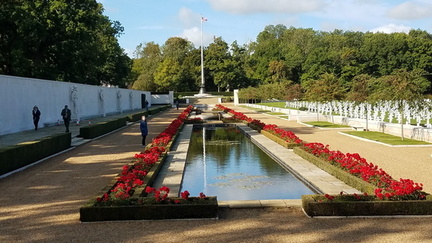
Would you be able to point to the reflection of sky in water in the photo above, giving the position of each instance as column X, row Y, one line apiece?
column 238, row 171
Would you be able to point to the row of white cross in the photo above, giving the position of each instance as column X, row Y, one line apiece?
column 380, row 111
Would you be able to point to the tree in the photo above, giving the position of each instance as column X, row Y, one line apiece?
column 217, row 61
column 61, row 40
column 360, row 91
column 192, row 76
column 360, row 88
column 278, row 71
column 145, row 66
column 327, row 88
column 171, row 73
column 401, row 87
column 238, row 60
column 176, row 48
column 296, row 46
column 168, row 75
column 266, row 49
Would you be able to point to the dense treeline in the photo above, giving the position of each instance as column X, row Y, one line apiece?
column 291, row 63
column 61, row 40
column 177, row 66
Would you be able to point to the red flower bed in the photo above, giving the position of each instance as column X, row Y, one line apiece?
column 286, row 135
column 389, row 188
column 132, row 176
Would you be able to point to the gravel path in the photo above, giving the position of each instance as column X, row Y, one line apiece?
column 41, row 204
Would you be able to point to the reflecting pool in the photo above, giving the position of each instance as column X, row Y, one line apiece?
column 223, row 162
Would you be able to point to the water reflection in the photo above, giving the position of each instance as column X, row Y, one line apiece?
column 235, row 169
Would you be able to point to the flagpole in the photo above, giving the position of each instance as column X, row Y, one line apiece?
column 202, row 89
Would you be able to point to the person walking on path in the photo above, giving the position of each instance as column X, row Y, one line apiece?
column 36, row 116
column 144, row 130
column 177, row 103
column 66, row 114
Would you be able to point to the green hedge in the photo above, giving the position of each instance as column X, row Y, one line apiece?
column 278, row 140
column 203, row 209
column 23, row 154
column 342, row 175
column 101, row 128
column 151, row 111
column 314, row 207
column 136, row 117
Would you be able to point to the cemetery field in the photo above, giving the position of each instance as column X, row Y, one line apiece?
column 386, row 138
column 384, row 112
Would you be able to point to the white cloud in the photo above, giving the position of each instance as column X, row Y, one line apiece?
column 411, row 10
column 191, row 22
column 188, row 17
column 392, row 28
column 194, row 35
column 349, row 15
column 268, row 6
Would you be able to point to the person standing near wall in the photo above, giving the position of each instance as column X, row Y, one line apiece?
column 36, row 116
column 177, row 103
column 144, row 130
column 146, row 106
column 66, row 114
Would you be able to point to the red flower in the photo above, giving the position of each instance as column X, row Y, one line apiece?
column 149, row 189
column 184, row 195
column 329, row 197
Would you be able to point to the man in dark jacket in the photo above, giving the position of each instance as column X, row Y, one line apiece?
column 66, row 114
column 36, row 116
column 144, row 129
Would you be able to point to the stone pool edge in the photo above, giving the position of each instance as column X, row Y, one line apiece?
column 171, row 173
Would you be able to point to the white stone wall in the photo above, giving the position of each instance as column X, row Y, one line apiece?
column 18, row 96
column 163, row 98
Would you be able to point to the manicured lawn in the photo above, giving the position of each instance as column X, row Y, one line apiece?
column 276, row 114
column 386, row 138
column 254, row 109
column 325, row 124
column 274, row 104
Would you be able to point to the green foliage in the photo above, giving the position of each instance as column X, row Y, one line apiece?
column 401, row 85
column 295, row 63
column 61, row 40
column 327, row 88
column 144, row 67
column 360, row 88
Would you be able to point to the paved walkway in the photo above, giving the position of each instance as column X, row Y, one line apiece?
column 41, row 203
column 74, row 128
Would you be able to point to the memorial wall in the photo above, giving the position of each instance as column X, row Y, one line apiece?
column 19, row 95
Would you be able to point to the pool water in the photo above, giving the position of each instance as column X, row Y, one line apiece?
column 231, row 167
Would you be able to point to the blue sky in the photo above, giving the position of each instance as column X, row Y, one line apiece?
column 242, row 20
